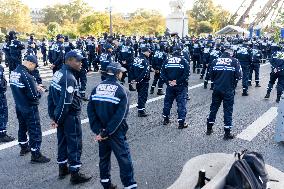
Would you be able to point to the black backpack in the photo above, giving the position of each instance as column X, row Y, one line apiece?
column 248, row 172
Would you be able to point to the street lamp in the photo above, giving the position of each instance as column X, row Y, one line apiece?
column 110, row 18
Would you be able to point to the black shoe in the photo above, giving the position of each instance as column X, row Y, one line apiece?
column 257, row 84
column 63, row 172
column 228, row 135
column 160, row 92
column 188, row 98
column 278, row 99
column 209, row 128
column 267, row 96
column 152, row 90
column 6, row 138
column 131, row 88
column 112, row 186
column 194, row 71
column 142, row 113
column 85, row 99
column 201, row 77
column 249, row 84
column 211, row 88
column 25, row 150
column 78, row 178
column 205, row 85
column 245, row 93
column 166, row 121
column 39, row 158
column 182, row 125
column 198, row 71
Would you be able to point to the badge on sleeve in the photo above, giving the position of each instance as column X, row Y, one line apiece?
column 70, row 89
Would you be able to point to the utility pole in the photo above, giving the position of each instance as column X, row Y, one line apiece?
column 110, row 18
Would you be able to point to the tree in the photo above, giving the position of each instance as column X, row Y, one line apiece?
column 203, row 10
column 14, row 15
column 221, row 18
column 53, row 29
column 204, row 27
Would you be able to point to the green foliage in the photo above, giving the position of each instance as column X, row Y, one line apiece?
column 204, row 27
column 14, row 15
column 53, row 29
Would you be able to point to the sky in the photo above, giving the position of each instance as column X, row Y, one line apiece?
column 126, row 6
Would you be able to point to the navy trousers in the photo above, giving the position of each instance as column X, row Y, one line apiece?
column 280, row 83
column 254, row 68
column 178, row 93
column 228, row 102
column 272, row 80
column 157, row 80
column 3, row 114
column 69, row 136
column 82, row 80
column 246, row 73
column 142, row 89
column 29, row 122
column 116, row 143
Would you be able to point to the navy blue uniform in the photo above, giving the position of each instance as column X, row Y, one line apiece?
column 6, row 50
column 255, row 65
column 224, row 73
column 244, row 56
column 205, row 61
column 26, row 96
column 58, row 53
column 68, row 46
column 277, row 63
column 141, row 74
column 3, row 103
column 82, row 75
column 64, row 107
column 43, row 49
column 158, row 60
column 35, row 72
column 126, row 54
column 107, row 110
column 91, row 50
column 15, row 47
column 196, row 57
column 176, row 68
column 105, row 59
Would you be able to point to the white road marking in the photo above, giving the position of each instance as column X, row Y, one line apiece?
column 52, row 131
column 257, row 126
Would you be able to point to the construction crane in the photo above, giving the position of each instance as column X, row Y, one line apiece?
column 268, row 8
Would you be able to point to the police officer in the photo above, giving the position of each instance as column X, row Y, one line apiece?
column 58, row 53
column 255, row 66
column 68, row 46
column 33, row 45
column 64, row 109
column 196, row 56
column 82, row 76
column 140, row 70
column 224, row 73
column 26, row 94
column 15, row 47
column 105, row 59
column 205, row 59
column 6, row 50
column 175, row 73
column 158, row 60
column 91, row 51
column 3, row 109
column 43, row 49
column 244, row 56
column 107, row 112
column 277, row 64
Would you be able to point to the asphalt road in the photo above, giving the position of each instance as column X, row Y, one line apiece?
column 158, row 152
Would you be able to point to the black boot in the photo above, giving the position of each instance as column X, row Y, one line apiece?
column 228, row 135
column 83, row 97
column 166, row 121
column 142, row 113
column 6, row 138
column 152, row 90
column 63, row 171
column 25, row 150
column 278, row 98
column 201, row 77
column 131, row 88
column 205, row 84
column 209, row 128
column 198, row 71
column 109, row 185
column 245, row 93
column 267, row 96
column 182, row 125
column 211, row 87
column 257, row 84
column 39, row 158
column 249, row 83
column 160, row 92
column 78, row 178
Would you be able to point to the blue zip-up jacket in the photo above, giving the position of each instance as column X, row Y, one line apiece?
column 176, row 68
column 58, row 53
column 105, row 59
column 16, row 47
column 3, row 82
column 108, row 106
column 244, row 56
column 256, row 56
column 225, row 73
column 35, row 72
column 63, row 98
column 277, row 61
column 126, row 53
column 140, row 69
column 24, row 87
column 158, row 60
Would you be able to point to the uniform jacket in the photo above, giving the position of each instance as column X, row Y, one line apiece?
column 159, row 58
column 3, row 82
column 140, row 69
column 63, row 98
column 108, row 106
